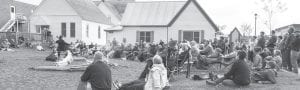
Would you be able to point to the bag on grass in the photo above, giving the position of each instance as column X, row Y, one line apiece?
column 52, row 57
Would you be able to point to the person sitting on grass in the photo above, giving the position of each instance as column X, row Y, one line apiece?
column 98, row 74
column 267, row 75
column 155, row 78
column 257, row 59
column 239, row 74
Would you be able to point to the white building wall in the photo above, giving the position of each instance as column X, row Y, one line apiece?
column 192, row 19
column 54, row 23
column 160, row 33
column 93, row 33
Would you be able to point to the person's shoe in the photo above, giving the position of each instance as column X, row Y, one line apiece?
column 213, row 83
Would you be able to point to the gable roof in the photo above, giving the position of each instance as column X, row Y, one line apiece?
column 117, row 7
column 87, row 10
column 235, row 29
column 111, row 8
column 21, row 8
column 159, row 13
column 200, row 9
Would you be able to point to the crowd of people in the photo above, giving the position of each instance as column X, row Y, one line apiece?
column 256, row 61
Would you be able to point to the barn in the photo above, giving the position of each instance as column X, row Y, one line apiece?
column 73, row 19
column 163, row 20
column 235, row 35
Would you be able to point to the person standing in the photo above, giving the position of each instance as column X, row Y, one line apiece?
column 272, row 42
column 62, row 45
column 98, row 74
column 295, row 54
column 287, row 50
column 261, row 41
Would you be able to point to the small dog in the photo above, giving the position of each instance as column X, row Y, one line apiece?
column 66, row 61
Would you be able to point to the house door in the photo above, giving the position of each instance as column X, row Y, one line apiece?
column 44, row 30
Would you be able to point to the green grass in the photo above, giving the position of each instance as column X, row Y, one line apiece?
column 15, row 75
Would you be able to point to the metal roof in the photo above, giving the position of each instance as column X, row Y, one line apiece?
column 87, row 10
column 151, row 13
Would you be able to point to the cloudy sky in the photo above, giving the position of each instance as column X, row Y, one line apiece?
column 234, row 13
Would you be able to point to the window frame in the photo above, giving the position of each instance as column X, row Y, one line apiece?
column 99, row 32
column 145, row 36
column 87, row 30
column 73, row 35
column 193, row 33
column 63, row 30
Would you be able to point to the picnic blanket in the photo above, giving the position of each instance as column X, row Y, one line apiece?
column 63, row 68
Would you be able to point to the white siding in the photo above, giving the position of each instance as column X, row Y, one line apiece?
column 192, row 19
column 160, row 33
column 93, row 33
column 55, row 25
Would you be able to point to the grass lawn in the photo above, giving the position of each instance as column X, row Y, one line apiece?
column 15, row 75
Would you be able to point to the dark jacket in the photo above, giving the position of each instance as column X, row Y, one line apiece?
column 261, row 42
column 295, row 43
column 288, row 42
column 272, row 42
column 99, row 75
column 239, row 73
column 62, row 45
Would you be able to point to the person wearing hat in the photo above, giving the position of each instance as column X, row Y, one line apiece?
column 98, row 74
column 287, row 50
column 295, row 52
column 261, row 41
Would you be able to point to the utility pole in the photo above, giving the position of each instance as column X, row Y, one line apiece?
column 255, row 15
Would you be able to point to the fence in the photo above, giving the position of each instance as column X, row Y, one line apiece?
column 33, row 37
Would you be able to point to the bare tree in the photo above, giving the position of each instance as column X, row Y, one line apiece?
column 270, row 8
column 222, row 27
column 246, row 29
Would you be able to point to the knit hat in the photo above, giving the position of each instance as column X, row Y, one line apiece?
column 98, row 56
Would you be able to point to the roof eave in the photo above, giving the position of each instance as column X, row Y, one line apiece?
column 199, row 8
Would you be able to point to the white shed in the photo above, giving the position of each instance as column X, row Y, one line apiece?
column 163, row 20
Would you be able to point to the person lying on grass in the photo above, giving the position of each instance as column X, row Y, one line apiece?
column 98, row 74
column 156, row 78
column 238, row 75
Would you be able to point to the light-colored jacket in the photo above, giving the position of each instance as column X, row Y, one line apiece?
column 157, row 78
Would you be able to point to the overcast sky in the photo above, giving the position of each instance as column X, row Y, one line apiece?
column 234, row 13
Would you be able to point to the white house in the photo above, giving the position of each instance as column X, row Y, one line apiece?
column 73, row 19
column 235, row 35
column 163, row 20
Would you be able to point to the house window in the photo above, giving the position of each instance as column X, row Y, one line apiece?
column 72, row 29
column 12, row 9
column 191, row 35
column 146, row 36
column 99, row 32
column 87, row 30
column 64, row 29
